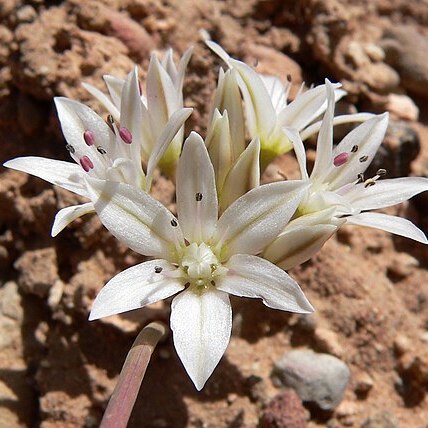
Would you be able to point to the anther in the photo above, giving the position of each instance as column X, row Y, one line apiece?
column 110, row 122
column 174, row 222
column 158, row 269
column 101, row 150
column 369, row 182
column 289, row 78
column 360, row 178
column 363, row 158
column 213, row 283
column 341, row 159
column 354, row 149
column 125, row 135
column 381, row 172
column 70, row 148
column 89, row 138
column 86, row 163
column 198, row 197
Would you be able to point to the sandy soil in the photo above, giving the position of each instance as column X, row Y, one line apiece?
column 370, row 289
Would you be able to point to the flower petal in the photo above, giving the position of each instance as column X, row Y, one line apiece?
column 115, row 87
column 135, row 218
column 302, row 238
column 67, row 215
column 367, row 137
column 251, row 276
column 103, row 99
column 76, row 118
column 255, row 219
column 307, row 106
column 67, row 175
column 323, row 158
column 169, row 132
column 386, row 193
column 277, row 91
column 201, row 323
column 299, row 150
column 392, row 224
column 136, row 287
column 197, row 205
column 243, row 176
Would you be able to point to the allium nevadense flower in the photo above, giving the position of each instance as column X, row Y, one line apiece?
column 339, row 194
column 203, row 257
column 105, row 151
column 268, row 111
column 164, row 96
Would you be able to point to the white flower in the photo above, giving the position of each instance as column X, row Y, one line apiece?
column 100, row 151
column 164, row 96
column 204, row 257
column 267, row 110
column 339, row 194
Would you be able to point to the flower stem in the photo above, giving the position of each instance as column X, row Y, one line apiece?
column 126, row 391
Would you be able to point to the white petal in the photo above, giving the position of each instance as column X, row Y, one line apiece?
column 307, row 106
column 298, row 244
column 337, row 120
column 299, row 150
column 195, row 177
column 323, row 159
column 243, row 176
column 251, row 276
column 115, row 87
column 103, row 99
column 67, row 215
column 218, row 50
column 76, row 118
column 397, row 225
column 169, row 132
column 255, row 219
column 131, row 115
column 367, row 137
column 135, row 218
column 201, row 324
column 134, row 288
column 386, row 193
column 277, row 91
column 220, row 146
column 67, row 175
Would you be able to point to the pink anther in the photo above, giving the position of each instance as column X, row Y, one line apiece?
column 125, row 135
column 340, row 159
column 89, row 138
column 86, row 163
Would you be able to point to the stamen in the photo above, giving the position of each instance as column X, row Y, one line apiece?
column 198, row 197
column 70, row 148
column 174, row 222
column 110, row 122
column 354, row 149
column 213, row 283
column 363, row 158
column 341, row 159
column 360, row 178
column 86, row 163
column 89, row 138
column 369, row 182
column 101, row 150
column 381, row 172
column 289, row 78
column 158, row 269
column 125, row 135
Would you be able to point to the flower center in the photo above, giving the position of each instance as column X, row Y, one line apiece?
column 200, row 264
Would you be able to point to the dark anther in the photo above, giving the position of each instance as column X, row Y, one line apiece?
column 110, row 122
column 101, row 150
column 363, row 158
column 198, row 197
column 174, row 222
column 354, row 148
column 289, row 78
column 213, row 283
column 360, row 178
column 158, row 269
column 70, row 148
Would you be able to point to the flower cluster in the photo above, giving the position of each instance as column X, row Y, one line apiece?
column 229, row 235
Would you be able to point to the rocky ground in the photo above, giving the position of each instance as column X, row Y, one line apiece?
column 370, row 289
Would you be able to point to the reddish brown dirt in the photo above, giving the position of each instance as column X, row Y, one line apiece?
column 370, row 289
